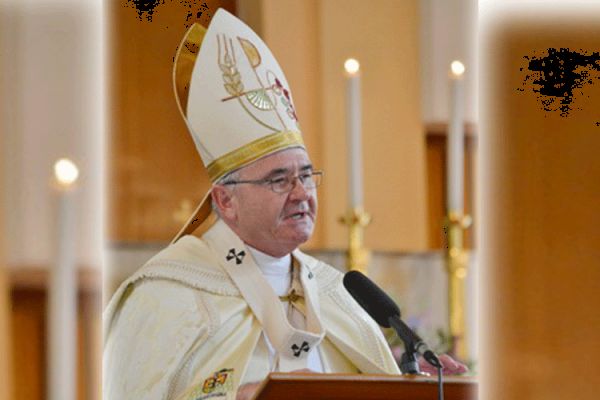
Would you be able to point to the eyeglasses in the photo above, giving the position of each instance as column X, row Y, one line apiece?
column 285, row 184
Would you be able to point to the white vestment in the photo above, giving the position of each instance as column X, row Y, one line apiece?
column 188, row 324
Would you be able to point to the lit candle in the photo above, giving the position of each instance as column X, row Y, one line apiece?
column 455, row 149
column 353, row 122
column 62, row 291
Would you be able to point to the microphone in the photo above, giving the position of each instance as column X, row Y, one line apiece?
column 386, row 313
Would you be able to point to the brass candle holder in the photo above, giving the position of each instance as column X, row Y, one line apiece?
column 457, row 262
column 357, row 256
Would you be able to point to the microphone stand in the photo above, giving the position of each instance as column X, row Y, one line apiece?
column 408, row 361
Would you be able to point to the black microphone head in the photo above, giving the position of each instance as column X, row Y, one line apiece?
column 374, row 300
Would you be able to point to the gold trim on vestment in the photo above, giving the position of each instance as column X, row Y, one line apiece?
column 251, row 152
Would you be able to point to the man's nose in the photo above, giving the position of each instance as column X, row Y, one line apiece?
column 299, row 191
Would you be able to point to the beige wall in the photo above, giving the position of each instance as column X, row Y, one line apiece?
column 311, row 40
column 539, row 216
column 448, row 32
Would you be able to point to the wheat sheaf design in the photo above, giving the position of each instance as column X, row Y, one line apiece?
column 259, row 99
column 231, row 75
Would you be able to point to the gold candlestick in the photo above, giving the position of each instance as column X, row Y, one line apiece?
column 457, row 263
column 357, row 256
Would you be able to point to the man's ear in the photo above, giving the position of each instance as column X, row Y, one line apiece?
column 224, row 201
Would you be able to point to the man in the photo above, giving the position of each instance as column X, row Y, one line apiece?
column 210, row 317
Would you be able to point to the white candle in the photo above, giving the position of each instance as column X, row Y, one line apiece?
column 353, row 122
column 62, row 292
column 455, row 142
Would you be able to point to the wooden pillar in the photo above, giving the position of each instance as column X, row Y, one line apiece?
column 6, row 48
column 539, row 213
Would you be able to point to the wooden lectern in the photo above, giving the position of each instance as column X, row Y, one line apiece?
column 288, row 386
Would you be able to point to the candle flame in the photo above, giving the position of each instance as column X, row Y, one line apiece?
column 457, row 68
column 66, row 172
column 351, row 66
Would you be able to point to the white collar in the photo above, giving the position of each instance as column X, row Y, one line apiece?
column 270, row 265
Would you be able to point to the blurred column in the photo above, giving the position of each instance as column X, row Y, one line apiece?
column 51, row 93
column 5, row 348
column 5, row 100
column 539, row 208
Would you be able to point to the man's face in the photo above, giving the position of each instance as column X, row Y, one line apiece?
column 274, row 223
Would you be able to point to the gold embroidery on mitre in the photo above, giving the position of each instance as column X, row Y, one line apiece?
column 185, row 59
column 251, row 152
column 183, row 67
column 227, row 62
column 251, row 52
column 263, row 98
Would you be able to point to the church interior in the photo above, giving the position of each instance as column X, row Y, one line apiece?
column 480, row 196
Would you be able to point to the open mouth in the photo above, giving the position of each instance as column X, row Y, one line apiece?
column 298, row 215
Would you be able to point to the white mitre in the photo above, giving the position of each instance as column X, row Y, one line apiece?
column 234, row 98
